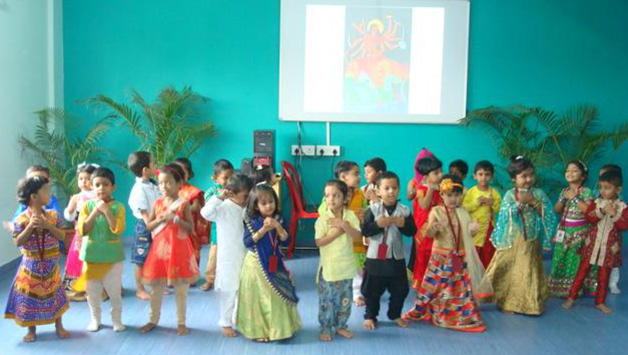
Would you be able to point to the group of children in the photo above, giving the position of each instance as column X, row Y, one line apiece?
column 468, row 245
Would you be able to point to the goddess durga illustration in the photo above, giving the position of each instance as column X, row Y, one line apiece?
column 369, row 63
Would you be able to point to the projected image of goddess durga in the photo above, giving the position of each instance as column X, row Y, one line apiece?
column 376, row 62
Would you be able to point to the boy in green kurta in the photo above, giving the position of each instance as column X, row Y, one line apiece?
column 101, row 223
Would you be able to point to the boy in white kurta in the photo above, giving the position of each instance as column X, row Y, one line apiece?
column 227, row 211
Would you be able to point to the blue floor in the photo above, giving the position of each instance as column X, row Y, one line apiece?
column 583, row 330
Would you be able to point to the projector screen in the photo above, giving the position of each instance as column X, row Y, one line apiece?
column 401, row 61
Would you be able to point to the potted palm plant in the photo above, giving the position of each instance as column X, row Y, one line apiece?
column 548, row 139
column 170, row 127
column 58, row 145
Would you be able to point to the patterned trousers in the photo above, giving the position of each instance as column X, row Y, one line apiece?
column 334, row 304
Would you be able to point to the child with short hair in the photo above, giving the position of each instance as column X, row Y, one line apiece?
column 194, row 196
column 267, row 299
column 171, row 259
column 384, row 223
column 349, row 173
column 36, row 232
column 524, row 227
column 614, row 278
column 141, row 199
column 335, row 231
column 426, row 197
column 73, row 264
column 452, row 283
column 101, row 223
column 482, row 202
column 373, row 168
column 609, row 217
column 572, row 230
column 226, row 210
column 223, row 169
column 460, row 168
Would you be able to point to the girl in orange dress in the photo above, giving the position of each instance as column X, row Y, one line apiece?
column 171, row 259
column 195, row 198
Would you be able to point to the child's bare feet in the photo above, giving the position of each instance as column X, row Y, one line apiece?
column 567, row 304
column 602, row 307
column 143, row 295
column 167, row 291
column 147, row 327
column 369, row 324
column 182, row 330
column 345, row 333
column 207, row 286
column 359, row 302
column 402, row 323
column 61, row 331
column 228, row 332
column 31, row 335
column 325, row 337
column 262, row 340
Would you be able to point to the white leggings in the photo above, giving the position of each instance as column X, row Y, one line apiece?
column 112, row 283
column 357, row 284
column 614, row 278
column 157, row 295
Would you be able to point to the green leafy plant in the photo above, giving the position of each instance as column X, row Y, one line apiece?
column 168, row 128
column 58, row 145
column 548, row 139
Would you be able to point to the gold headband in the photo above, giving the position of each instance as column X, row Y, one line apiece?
column 447, row 186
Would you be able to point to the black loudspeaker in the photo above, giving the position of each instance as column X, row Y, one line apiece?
column 264, row 147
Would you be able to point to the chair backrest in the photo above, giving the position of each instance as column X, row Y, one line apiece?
column 294, row 186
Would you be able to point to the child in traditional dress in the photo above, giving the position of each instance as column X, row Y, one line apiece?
column 226, row 210
column 223, row 169
column 335, row 231
column 37, row 296
column 482, row 202
column 171, row 259
column 141, row 199
column 609, row 216
column 384, row 223
column 426, row 197
column 73, row 264
column 373, row 168
column 446, row 296
column 614, row 278
column 572, row 230
column 349, row 173
column 524, row 227
column 41, row 171
column 101, row 223
column 413, row 184
column 194, row 196
column 267, row 300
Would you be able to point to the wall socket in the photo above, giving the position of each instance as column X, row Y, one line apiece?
column 327, row 150
column 304, row 150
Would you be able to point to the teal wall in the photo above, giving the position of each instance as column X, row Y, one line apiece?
column 551, row 53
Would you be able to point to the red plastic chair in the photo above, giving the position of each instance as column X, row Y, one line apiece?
column 296, row 202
